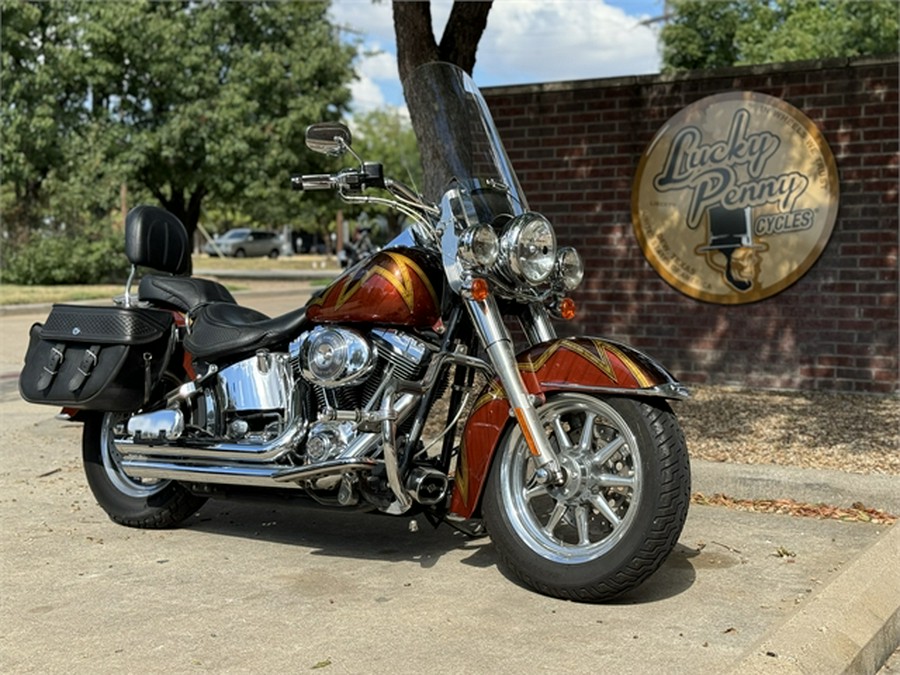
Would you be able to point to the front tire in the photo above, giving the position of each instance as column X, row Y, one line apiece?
column 150, row 504
column 617, row 515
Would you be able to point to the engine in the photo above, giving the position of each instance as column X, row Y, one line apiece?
column 320, row 392
column 348, row 371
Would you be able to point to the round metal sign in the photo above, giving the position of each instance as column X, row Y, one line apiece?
column 735, row 198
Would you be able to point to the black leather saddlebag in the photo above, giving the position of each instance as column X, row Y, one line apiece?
column 97, row 358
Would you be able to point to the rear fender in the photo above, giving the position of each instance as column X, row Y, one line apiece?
column 582, row 364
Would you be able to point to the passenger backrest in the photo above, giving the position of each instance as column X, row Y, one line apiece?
column 155, row 238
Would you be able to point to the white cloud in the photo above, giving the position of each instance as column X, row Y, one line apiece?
column 377, row 73
column 367, row 94
column 546, row 40
column 526, row 41
column 379, row 64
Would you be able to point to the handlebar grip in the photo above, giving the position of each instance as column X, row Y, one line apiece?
column 318, row 181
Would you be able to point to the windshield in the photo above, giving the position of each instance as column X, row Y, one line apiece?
column 459, row 143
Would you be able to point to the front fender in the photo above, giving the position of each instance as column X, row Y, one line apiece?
column 584, row 364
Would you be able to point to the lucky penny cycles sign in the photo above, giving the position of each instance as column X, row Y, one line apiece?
column 735, row 198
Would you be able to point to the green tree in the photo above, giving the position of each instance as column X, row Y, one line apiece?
column 43, row 103
column 386, row 136
column 719, row 33
column 186, row 101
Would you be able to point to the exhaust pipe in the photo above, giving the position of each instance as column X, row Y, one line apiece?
column 427, row 486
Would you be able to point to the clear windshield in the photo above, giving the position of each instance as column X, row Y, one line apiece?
column 459, row 143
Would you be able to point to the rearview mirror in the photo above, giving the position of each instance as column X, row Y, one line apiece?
column 328, row 138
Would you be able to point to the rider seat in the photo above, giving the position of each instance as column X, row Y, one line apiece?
column 222, row 329
column 156, row 239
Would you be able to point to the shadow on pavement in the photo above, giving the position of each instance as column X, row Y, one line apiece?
column 369, row 536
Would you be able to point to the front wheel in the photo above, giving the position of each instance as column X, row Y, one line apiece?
column 135, row 502
column 618, row 513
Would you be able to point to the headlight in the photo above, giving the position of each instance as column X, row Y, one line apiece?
column 528, row 247
column 569, row 268
column 479, row 246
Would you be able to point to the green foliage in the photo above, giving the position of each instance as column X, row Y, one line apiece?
column 386, row 136
column 719, row 33
column 93, row 255
column 186, row 103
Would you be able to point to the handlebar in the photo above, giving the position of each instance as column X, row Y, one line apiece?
column 350, row 183
column 371, row 175
column 319, row 181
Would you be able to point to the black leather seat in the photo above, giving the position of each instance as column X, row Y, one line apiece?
column 223, row 329
column 156, row 239
column 182, row 293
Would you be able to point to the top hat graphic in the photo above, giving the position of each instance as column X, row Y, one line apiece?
column 729, row 229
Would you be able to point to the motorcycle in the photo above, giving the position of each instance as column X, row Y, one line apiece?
column 564, row 449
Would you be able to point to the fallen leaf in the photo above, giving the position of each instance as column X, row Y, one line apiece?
column 856, row 513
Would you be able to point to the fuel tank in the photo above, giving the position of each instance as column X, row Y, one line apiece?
column 397, row 287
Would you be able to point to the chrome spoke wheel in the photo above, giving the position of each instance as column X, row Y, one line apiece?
column 129, row 486
column 584, row 517
column 617, row 513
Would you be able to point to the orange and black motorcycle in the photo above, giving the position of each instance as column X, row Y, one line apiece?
column 568, row 454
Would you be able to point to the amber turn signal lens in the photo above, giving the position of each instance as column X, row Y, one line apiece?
column 567, row 308
column 480, row 289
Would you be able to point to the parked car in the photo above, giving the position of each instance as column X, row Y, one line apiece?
column 243, row 241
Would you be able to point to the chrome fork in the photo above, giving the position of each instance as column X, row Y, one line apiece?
column 498, row 343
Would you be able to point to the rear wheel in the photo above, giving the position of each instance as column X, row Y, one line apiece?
column 240, row 253
column 127, row 500
column 617, row 515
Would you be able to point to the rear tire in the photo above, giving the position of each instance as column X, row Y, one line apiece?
column 149, row 504
column 618, row 514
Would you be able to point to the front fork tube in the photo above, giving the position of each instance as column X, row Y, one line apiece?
column 496, row 339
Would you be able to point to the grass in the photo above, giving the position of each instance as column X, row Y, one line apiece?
column 25, row 295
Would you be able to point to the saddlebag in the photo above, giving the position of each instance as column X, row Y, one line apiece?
column 97, row 358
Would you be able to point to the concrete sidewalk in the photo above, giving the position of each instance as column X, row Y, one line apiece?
column 255, row 587
column 258, row 587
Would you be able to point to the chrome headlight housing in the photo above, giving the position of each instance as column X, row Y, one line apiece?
column 569, row 268
column 528, row 248
column 479, row 246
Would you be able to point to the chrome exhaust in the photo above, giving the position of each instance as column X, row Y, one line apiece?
column 427, row 486
column 243, row 474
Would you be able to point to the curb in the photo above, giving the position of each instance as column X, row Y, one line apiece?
column 272, row 275
column 851, row 626
column 815, row 486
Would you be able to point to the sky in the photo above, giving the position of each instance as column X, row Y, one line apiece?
column 526, row 41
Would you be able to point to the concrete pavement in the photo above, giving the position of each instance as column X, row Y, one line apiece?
column 255, row 587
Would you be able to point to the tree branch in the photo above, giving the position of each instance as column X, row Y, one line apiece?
column 415, row 38
column 464, row 29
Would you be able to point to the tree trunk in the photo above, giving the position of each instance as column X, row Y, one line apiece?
column 417, row 45
column 187, row 212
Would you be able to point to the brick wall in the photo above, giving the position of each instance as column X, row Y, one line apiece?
column 576, row 147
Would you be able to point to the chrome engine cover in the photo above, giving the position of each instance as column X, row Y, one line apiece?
column 334, row 357
column 262, row 382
